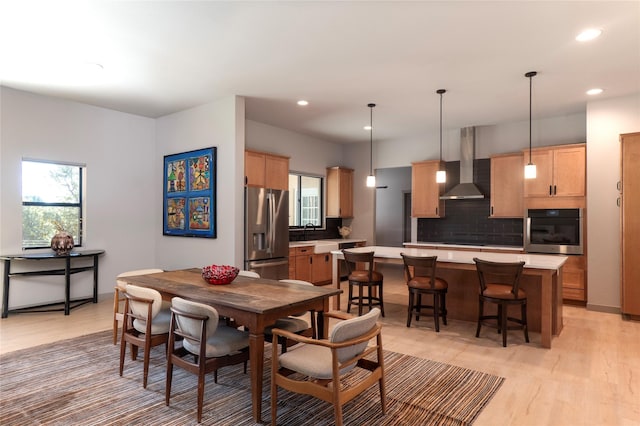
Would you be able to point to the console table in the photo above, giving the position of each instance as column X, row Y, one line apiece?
column 67, row 271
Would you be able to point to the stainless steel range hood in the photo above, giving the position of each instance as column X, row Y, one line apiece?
column 466, row 189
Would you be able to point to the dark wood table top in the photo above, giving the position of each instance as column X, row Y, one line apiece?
column 257, row 295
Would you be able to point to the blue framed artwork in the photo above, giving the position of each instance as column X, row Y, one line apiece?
column 189, row 200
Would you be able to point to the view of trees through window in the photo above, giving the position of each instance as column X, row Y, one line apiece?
column 51, row 200
column 305, row 200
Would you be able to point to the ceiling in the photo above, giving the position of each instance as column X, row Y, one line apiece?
column 163, row 57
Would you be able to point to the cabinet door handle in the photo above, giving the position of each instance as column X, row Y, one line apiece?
column 555, row 192
column 491, row 210
column 436, row 210
column 550, row 192
column 618, row 202
column 310, row 260
column 619, row 185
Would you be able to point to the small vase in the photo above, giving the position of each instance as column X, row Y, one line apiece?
column 62, row 243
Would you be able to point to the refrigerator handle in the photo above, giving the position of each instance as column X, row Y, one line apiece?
column 273, row 222
column 270, row 225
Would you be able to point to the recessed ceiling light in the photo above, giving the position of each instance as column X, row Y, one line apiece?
column 367, row 127
column 595, row 91
column 302, row 102
column 589, row 34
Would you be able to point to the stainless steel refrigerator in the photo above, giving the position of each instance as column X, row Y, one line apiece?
column 267, row 232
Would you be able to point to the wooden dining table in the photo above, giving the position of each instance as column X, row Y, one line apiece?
column 252, row 302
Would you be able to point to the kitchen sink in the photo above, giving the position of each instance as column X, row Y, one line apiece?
column 324, row 247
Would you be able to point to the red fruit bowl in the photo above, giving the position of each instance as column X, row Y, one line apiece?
column 219, row 274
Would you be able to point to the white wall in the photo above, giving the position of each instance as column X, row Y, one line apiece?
column 490, row 140
column 120, row 187
column 606, row 120
column 307, row 154
column 219, row 124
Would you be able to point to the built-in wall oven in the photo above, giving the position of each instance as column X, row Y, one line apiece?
column 554, row 231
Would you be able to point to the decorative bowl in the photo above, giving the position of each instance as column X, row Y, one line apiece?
column 219, row 274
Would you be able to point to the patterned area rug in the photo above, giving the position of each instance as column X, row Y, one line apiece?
column 76, row 382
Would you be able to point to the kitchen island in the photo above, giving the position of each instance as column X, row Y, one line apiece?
column 541, row 280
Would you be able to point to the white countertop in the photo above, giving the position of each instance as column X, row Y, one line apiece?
column 534, row 261
column 464, row 246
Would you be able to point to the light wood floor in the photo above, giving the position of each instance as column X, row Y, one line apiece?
column 591, row 376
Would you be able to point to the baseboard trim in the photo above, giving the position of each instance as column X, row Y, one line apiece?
column 602, row 308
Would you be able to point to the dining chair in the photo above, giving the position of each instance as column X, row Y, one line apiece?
column 207, row 346
column 323, row 364
column 420, row 273
column 293, row 323
column 361, row 275
column 145, row 325
column 249, row 274
column 500, row 284
column 118, row 296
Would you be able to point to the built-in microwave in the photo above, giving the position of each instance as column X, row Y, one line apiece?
column 554, row 231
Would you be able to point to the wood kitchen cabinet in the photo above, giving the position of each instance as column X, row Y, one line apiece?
column 302, row 261
column 573, row 279
column 266, row 170
column 507, row 186
column 306, row 265
column 339, row 192
column 630, row 221
column 321, row 268
column 425, row 191
column 560, row 171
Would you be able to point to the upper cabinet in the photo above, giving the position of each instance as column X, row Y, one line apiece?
column 561, row 171
column 507, row 186
column 266, row 170
column 339, row 192
column 425, row 191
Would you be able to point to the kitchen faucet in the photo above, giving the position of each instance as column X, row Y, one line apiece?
column 304, row 230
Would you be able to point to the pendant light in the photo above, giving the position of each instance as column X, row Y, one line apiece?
column 441, row 175
column 371, row 179
column 530, row 169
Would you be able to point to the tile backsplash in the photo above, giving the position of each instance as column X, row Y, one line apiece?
column 330, row 231
column 467, row 221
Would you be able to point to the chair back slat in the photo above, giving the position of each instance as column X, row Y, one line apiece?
column 420, row 266
column 507, row 273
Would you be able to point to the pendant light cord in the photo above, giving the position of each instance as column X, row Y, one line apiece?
column 371, row 106
column 530, row 75
column 441, row 92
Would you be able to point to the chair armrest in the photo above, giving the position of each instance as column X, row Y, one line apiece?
column 338, row 315
column 302, row 339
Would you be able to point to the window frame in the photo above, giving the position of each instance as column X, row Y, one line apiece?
column 298, row 201
column 78, row 242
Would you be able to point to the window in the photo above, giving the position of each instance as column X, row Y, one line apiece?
column 51, row 200
column 305, row 200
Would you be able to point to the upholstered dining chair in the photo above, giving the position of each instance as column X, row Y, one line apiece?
column 145, row 325
column 118, row 297
column 322, row 364
column 249, row 274
column 293, row 323
column 500, row 284
column 420, row 273
column 207, row 346
column 361, row 275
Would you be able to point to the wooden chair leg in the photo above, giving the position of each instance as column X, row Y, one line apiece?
column 436, row 311
column 443, row 307
column 147, row 354
column 167, row 388
column 381, row 297
column 524, row 322
column 350, row 299
column 410, row 308
column 116, row 306
column 503, row 326
column 480, row 314
column 200, row 393
column 360, row 290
